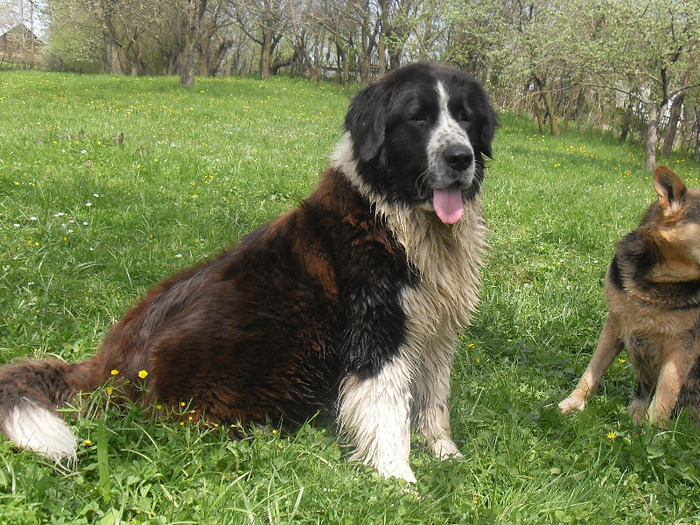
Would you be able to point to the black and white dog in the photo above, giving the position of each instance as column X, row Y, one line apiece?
column 350, row 303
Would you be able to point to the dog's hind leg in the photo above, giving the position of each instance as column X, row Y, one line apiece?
column 609, row 345
column 637, row 408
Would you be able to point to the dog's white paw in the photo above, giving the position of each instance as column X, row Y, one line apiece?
column 397, row 470
column 572, row 403
column 445, row 448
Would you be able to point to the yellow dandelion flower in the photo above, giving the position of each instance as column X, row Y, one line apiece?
column 87, row 442
column 612, row 435
column 143, row 374
column 109, row 390
column 159, row 407
column 114, row 372
column 182, row 403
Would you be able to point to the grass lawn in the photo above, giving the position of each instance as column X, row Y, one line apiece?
column 109, row 184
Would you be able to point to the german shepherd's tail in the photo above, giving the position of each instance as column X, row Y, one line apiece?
column 30, row 393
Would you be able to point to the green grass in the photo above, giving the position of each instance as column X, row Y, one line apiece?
column 88, row 224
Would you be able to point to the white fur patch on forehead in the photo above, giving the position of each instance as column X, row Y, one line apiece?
column 446, row 122
column 443, row 96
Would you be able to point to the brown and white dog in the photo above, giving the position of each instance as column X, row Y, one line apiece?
column 350, row 303
column 653, row 290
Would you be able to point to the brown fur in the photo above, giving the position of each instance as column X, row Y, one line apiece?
column 349, row 304
column 653, row 291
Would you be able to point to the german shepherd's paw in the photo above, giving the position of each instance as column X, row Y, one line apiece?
column 575, row 401
column 638, row 410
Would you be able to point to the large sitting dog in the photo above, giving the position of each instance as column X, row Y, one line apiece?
column 351, row 302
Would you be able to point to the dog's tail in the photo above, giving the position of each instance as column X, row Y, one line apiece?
column 30, row 393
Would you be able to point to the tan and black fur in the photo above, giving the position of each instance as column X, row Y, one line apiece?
column 653, row 292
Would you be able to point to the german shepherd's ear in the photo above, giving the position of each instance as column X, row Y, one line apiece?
column 669, row 187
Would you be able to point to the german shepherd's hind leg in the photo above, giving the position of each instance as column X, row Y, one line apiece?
column 639, row 405
column 609, row 346
column 374, row 414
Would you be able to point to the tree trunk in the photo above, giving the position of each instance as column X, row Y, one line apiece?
column 538, row 116
column 188, row 66
column 674, row 118
column 112, row 62
column 344, row 66
column 265, row 53
column 652, row 133
column 103, row 11
column 190, row 53
column 383, row 31
column 626, row 123
column 571, row 106
column 223, row 45
column 546, row 96
column 697, row 134
column 203, row 55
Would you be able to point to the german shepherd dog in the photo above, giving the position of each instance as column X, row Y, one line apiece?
column 653, row 291
column 349, row 304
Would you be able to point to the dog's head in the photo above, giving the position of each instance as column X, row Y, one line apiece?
column 419, row 137
column 674, row 223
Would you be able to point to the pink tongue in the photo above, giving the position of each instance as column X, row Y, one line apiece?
column 448, row 204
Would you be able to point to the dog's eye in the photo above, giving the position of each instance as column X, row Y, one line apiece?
column 419, row 117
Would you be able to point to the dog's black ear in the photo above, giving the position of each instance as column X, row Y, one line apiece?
column 669, row 187
column 366, row 120
column 489, row 124
column 488, row 130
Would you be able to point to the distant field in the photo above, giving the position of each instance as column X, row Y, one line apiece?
column 108, row 184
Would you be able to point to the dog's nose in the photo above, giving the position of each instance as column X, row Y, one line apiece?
column 458, row 157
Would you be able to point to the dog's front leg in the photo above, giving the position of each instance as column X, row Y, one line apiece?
column 609, row 345
column 374, row 412
column 673, row 375
column 431, row 415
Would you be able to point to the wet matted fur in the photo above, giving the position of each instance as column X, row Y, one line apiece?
column 350, row 303
column 653, row 291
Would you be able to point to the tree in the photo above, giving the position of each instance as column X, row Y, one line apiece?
column 105, row 13
column 194, row 13
column 648, row 50
column 264, row 23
